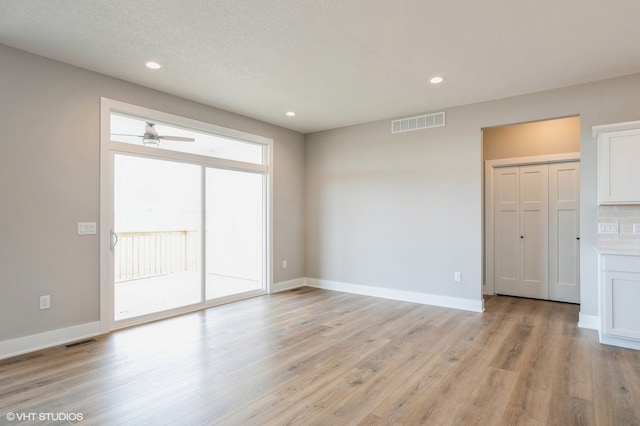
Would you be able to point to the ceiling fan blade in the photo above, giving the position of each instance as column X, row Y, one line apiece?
column 124, row 134
column 176, row 138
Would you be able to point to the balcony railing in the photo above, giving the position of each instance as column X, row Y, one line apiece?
column 149, row 254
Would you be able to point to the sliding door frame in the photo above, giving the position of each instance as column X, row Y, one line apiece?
column 108, row 150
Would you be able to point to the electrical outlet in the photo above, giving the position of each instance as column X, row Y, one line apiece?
column 636, row 229
column 607, row 228
column 284, row 264
column 45, row 302
column 457, row 276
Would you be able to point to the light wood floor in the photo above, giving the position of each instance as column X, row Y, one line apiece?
column 319, row 357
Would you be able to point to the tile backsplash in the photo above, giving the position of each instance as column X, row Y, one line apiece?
column 625, row 216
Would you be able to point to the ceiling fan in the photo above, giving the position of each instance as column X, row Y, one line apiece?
column 151, row 136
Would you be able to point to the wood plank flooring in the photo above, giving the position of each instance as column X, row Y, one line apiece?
column 315, row 357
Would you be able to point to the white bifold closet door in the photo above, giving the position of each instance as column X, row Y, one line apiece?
column 564, row 232
column 535, row 225
column 521, row 243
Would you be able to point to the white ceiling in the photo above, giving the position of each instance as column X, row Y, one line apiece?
column 334, row 62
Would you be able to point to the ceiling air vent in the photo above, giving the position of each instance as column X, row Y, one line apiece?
column 418, row 123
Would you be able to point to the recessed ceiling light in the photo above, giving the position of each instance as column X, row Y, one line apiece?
column 436, row 80
column 291, row 114
column 153, row 65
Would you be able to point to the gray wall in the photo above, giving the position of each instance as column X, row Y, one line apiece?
column 405, row 211
column 49, row 181
column 355, row 205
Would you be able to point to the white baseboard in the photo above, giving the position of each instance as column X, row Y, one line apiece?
column 402, row 295
column 287, row 285
column 589, row 321
column 623, row 343
column 35, row 342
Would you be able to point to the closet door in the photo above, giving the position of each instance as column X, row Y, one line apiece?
column 564, row 227
column 534, row 231
column 507, row 230
column 521, row 231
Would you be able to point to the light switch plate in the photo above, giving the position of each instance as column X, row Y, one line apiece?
column 636, row 229
column 86, row 228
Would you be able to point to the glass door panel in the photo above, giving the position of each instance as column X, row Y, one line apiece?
column 234, row 233
column 157, row 220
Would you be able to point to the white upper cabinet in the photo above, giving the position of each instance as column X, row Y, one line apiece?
column 618, row 163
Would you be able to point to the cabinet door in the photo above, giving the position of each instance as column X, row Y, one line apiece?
column 564, row 227
column 534, row 231
column 621, row 294
column 507, row 230
column 618, row 171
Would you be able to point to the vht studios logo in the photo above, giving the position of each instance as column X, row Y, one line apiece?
column 44, row 417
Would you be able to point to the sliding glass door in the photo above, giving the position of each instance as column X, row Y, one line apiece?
column 235, row 232
column 157, row 223
column 187, row 216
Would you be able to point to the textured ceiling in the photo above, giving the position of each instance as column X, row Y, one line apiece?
column 334, row 62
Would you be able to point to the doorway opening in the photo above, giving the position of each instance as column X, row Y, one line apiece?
column 531, row 229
